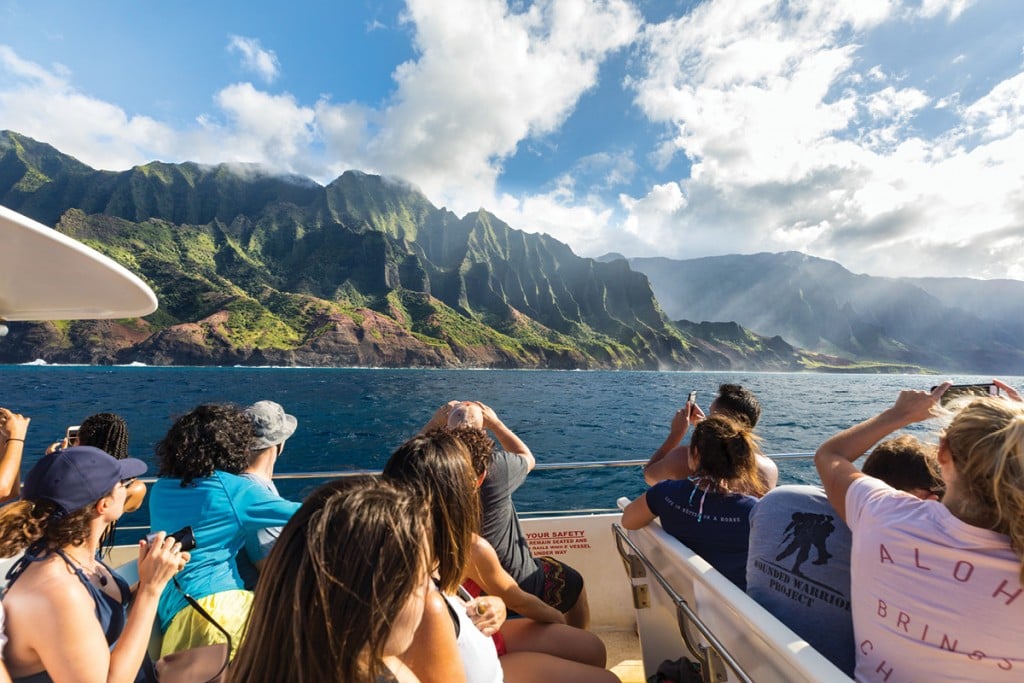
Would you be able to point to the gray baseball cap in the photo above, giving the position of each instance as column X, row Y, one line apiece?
column 271, row 423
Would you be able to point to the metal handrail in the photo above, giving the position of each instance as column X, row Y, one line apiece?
column 685, row 615
column 549, row 466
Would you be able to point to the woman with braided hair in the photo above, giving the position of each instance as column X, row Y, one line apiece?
column 706, row 511
column 109, row 433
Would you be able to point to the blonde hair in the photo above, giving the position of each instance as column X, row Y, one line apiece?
column 986, row 441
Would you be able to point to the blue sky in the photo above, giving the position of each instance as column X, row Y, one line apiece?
column 885, row 134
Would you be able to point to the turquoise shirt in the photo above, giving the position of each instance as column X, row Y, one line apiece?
column 222, row 510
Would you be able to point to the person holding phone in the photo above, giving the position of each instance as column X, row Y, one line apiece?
column 672, row 459
column 936, row 587
column 66, row 611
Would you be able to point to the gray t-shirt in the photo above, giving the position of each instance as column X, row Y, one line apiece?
column 798, row 568
column 500, row 523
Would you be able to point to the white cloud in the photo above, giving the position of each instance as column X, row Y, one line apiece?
column 795, row 144
column 486, row 79
column 952, row 8
column 254, row 58
column 42, row 103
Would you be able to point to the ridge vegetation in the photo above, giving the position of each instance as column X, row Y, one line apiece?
column 254, row 268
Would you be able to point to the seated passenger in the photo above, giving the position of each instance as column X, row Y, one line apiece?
column 273, row 427
column 65, row 609
column 201, row 460
column 671, row 460
column 109, row 433
column 343, row 589
column 707, row 510
column 554, row 582
column 438, row 465
column 13, row 428
column 936, row 587
column 798, row 566
column 5, row 677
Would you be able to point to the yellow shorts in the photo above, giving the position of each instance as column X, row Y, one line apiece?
column 189, row 629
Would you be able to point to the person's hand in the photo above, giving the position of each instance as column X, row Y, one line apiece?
column 159, row 560
column 488, row 613
column 696, row 414
column 681, row 421
column 1010, row 392
column 14, row 424
column 917, row 406
column 490, row 417
column 439, row 419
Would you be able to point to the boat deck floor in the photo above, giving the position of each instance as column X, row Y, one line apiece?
column 624, row 658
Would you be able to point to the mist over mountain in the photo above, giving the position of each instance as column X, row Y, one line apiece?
column 948, row 324
column 252, row 268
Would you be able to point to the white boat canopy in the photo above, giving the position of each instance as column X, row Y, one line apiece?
column 45, row 275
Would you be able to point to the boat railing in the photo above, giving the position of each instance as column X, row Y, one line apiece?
column 712, row 657
column 540, row 467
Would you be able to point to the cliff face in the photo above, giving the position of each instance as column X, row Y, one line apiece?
column 257, row 269
column 951, row 324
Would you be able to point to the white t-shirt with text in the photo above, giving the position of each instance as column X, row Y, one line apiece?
column 934, row 599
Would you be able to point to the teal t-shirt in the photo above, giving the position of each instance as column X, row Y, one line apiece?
column 222, row 510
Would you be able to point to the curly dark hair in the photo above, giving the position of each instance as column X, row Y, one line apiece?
column 209, row 437
column 481, row 446
column 24, row 524
column 106, row 431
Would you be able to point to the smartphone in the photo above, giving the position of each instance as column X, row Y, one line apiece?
column 185, row 536
column 692, row 398
column 958, row 391
column 71, row 435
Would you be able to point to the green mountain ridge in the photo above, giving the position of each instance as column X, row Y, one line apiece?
column 253, row 268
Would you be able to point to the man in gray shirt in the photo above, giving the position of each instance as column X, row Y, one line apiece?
column 557, row 584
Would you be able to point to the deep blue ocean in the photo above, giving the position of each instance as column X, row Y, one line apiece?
column 352, row 419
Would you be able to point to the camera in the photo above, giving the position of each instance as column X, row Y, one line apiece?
column 958, row 391
column 183, row 536
column 692, row 398
column 71, row 435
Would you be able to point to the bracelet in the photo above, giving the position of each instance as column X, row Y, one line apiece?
column 16, row 439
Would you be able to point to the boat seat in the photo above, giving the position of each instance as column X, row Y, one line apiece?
column 766, row 649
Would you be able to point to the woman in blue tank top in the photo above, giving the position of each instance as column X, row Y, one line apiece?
column 66, row 611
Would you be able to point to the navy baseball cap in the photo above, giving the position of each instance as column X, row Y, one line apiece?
column 78, row 476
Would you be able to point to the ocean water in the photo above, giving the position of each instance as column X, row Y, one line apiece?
column 351, row 419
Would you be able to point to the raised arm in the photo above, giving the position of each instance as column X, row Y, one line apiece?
column 672, row 461
column 836, row 456
column 505, row 436
column 486, row 571
column 16, row 427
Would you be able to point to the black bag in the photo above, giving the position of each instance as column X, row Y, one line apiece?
column 681, row 670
